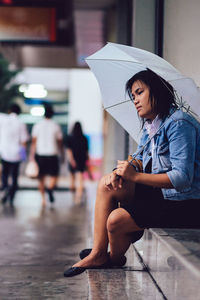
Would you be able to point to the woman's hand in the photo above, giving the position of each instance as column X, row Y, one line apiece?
column 112, row 181
column 125, row 170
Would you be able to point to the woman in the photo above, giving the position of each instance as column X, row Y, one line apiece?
column 77, row 154
column 165, row 194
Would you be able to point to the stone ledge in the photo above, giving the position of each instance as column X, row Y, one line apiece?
column 173, row 259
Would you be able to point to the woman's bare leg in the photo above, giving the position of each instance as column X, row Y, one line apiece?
column 52, row 182
column 80, row 183
column 80, row 187
column 120, row 227
column 106, row 202
column 41, row 187
column 72, row 181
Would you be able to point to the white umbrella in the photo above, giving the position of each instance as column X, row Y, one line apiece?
column 114, row 64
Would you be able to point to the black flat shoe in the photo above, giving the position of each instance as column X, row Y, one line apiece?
column 109, row 264
column 137, row 235
column 73, row 271
column 118, row 265
column 50, row 194
column 4, row 200
column 84, row 253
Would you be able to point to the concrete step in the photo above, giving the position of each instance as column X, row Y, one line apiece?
column 172, row 257
column 131, row 282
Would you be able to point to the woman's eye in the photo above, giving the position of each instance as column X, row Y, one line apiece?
column 139, row 93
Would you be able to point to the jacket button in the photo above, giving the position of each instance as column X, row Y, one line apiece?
column 149, row 153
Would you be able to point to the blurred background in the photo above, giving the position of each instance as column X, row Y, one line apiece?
column 43, row 44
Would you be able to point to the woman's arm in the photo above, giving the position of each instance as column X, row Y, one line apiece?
column 156, row 180
column 33, row 148
column 61, row 149
column 70, row 157
column 182, row 146
column 182, row 137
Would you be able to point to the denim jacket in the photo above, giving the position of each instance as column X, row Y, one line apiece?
column 176, row 153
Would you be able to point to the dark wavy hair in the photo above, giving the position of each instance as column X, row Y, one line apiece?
column 162, row 96
column 77, row 129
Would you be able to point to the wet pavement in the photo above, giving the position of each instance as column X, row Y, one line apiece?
column 36, row 243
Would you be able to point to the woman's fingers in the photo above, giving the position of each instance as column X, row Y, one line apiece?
column 108, row 182
column 120, row 182
column 116, row 182
column 125, row 170
column 111, row 181
column 122, row 165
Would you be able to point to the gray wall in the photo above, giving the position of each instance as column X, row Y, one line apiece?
column 144, row 24
column 181, row 36
column 143, row 34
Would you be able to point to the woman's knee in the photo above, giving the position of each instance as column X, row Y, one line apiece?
column 115, row 221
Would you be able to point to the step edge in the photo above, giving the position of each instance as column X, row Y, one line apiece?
column 185, row 260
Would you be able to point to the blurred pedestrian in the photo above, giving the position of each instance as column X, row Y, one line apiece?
column 13, row 139
column 47, row 144
column 77, row 155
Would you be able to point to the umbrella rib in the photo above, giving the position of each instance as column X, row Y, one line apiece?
column 130, row 61
column 111, row 59
column 117, row 104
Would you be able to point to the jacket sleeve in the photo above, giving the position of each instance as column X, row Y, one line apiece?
column 139, row 147
column 182, row 148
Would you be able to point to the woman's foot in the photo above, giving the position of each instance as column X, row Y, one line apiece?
column 92, row 261
column 44, row 203
column 119, row 262
column 89, row 262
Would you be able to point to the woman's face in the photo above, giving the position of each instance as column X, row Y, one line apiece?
column 141, row 96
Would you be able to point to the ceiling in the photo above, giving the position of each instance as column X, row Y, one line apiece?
column 86, row 22
column 93, row 4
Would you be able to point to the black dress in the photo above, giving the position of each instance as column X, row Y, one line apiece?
column 150, row 209
column 79, row 147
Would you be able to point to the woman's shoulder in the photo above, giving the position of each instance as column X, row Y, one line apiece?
column 182, row 117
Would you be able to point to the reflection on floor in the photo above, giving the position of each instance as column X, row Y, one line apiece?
column 37, row 242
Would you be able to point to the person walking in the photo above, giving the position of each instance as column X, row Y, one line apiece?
column 77, row 155
column 13, row 141
column 47, row 144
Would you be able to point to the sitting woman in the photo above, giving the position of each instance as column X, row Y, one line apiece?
column 166, row 193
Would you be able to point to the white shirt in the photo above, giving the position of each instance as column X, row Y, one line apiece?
column 13, row 133
column 47, row 132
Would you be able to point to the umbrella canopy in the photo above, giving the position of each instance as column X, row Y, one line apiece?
column 114, row 64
